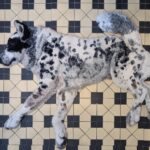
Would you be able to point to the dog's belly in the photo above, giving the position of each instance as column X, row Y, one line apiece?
column 88, row 74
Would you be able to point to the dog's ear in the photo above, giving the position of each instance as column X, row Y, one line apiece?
column 22, row 30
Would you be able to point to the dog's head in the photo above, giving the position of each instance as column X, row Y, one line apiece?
column 16, row 45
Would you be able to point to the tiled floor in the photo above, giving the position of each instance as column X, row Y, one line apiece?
column 97, row 119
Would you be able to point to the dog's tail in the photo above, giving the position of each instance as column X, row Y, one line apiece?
column 118, row 23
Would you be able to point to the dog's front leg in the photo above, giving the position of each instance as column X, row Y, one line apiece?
column 45, row 88
column 64, row 102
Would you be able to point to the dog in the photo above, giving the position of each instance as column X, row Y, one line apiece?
column 64, row 64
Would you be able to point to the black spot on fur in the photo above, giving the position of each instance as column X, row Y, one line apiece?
column 53, row 77
column 115, row 73
column 134, row 85
column 74, row 50
column 54, row 40
column 44, row 57
column 107, row 39
column 40, row 90
column 51, row 68
column 48, row 48
column 113, row 40
column 85, row 45
column 44, row 86
column 61, row 55
column 51, row 62
column 132, row 62
column 75, row 61
column 35, row 96
column 124, row 60
column 138, row 66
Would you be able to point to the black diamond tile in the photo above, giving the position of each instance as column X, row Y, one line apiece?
column 144, row 4
column 120, row 98
column 96, row 144
column 28, row 4
column 4, row 144
column 4, row 26
column 48, row 121
column 96, row 121
column 96, row 98
column 4, row 74
column 143, row 145
column 74, row 26
column 121, row 4
column 3, row 119
column 51, row 24
column 4, row 97
column 51, row 4
column 26, row 75
column 72, row 144
column 2, row 48
column 73, row 121
column 5, row 4
column 95, row 28
column 144, row 123
column 119, row 145
column 24, row 96
column 49, row 144
column 74, row 4
column 144, row 26
column 120, row 122
column 27, row 121
column 29, row 23
column 52, row 100
column 25, row 144
column 98, row 4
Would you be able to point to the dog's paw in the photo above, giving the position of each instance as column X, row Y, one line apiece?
column 61, row 137
column 61, row 142
column 12, row 122
column 133, row 117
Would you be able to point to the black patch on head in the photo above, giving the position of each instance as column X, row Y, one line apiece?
column 26, row 30
column 16, row 45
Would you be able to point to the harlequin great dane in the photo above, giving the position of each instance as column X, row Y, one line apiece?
column 65, row 63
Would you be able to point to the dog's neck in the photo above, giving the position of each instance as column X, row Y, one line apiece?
column 32, row 53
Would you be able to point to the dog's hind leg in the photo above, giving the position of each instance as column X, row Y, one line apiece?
column 147, row 99
column 64, row 102
column 46, row 88
column 132, row 83
column 139, row 92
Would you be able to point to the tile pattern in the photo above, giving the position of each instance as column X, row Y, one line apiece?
column 97, row 119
